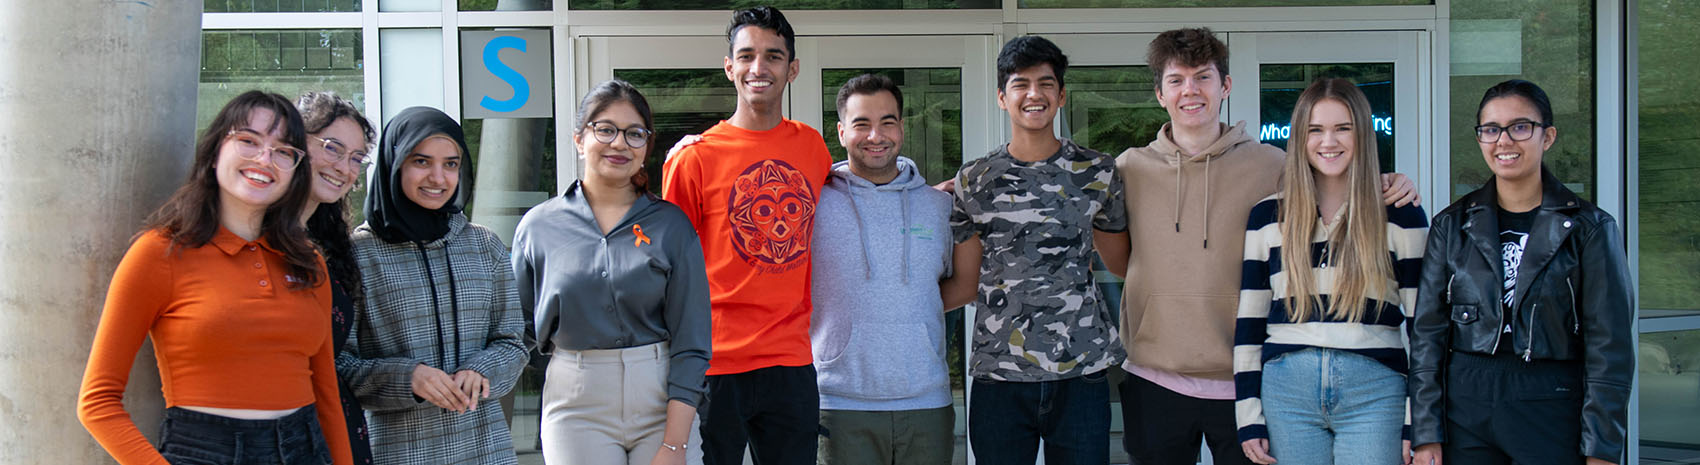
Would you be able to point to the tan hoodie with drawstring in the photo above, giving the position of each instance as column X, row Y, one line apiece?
column 1186, row 219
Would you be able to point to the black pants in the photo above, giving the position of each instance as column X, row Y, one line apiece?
column 190, row 437
column 1502, row 410
column 775, row 410
column 1163, row 427
column 1007, row 420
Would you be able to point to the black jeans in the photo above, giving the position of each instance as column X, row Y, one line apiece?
column 188, row 437
column 1163, row 426
column 1502, row 410
column 774, row 410
column 1007, row 420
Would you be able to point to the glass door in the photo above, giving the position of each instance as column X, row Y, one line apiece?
column 1276, row 67
column 948, row 114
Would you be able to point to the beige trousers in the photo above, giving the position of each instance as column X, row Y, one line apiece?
column 607, row 407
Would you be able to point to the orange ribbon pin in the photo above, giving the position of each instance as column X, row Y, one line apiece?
column 641, row 238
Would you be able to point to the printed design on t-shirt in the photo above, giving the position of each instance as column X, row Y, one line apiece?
column 1511, row 244
column 772, row 210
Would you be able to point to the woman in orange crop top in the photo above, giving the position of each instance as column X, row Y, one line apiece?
column 235, row 297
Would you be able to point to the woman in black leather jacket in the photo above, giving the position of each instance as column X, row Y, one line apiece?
column 1521, row 343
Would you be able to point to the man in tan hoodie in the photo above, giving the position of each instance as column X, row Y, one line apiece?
column 1188, row 196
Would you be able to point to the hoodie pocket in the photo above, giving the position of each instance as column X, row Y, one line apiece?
column 1187, row 334
column 884, row 361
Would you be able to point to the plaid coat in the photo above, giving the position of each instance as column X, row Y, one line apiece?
column 399, row 325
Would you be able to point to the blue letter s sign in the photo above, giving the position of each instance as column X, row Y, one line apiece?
column 493, row 62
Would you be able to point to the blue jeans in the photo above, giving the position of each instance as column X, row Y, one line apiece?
column 1006, row 420
column 1327, row 406
column 195, row 438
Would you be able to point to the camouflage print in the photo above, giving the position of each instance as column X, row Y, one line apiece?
column 1040, row 317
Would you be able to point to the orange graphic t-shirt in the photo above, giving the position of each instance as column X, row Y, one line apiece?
column 751, row 196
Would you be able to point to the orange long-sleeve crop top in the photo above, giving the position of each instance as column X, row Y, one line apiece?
column 228, row 331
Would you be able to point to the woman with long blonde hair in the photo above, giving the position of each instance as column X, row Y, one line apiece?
column 1330, row 275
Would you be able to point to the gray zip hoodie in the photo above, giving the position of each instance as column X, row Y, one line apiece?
column 877, row 330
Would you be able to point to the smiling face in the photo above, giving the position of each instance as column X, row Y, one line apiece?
column 871, row 131
column 1032, row 96
column 333, row 179
column 430, row 173
column 1193, row 95
column 252, row 185
column 760, row 67
column 612, row 162
column 1513, row 160
column 1331, row 141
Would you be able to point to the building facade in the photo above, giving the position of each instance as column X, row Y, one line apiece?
column 1613, row 68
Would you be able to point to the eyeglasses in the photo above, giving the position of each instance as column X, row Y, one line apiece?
column 605, row 132
column 340, row 152
column 1519, row 131
column 249, row 145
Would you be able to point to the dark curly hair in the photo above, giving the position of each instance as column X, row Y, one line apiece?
column 328, row 226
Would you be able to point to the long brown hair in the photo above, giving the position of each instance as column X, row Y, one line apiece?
column 190, row 218
column 1357, row 247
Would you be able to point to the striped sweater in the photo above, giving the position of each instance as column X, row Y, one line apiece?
column 1264, row 329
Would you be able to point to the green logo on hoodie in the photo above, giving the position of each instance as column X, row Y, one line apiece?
column 920, row 232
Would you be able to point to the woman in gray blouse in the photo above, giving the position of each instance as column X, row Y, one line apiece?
column 614, row 276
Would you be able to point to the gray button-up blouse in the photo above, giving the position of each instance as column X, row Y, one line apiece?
column 644, row 282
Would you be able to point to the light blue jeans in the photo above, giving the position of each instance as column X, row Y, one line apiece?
column 1326, row 406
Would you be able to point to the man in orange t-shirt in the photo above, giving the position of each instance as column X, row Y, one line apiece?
column 750, row 187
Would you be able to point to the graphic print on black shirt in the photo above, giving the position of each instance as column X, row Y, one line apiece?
column 1513, row 238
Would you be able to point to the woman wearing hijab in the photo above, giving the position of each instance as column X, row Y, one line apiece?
column 437, row 335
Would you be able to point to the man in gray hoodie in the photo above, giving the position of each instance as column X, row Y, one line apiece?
column 877, row 330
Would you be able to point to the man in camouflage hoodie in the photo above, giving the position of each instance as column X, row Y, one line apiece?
column 1026, row 218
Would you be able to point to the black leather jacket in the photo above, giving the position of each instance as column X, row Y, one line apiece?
column 1574, row 303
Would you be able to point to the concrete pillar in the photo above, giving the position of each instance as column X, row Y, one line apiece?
column 97, row 114
column 510, row 154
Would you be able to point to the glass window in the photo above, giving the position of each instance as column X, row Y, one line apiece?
column 1111, row 108
column 1670, row 396
column 288, row 62
column 1282, row 84
column 782, row 4
column 1548, row 43
column 1207, row 3
column 507, row 5
column 514, row 160
column 1669, row 112
column 412, row 61
column 685, row 101
column 410, row 5
column 271, row 6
